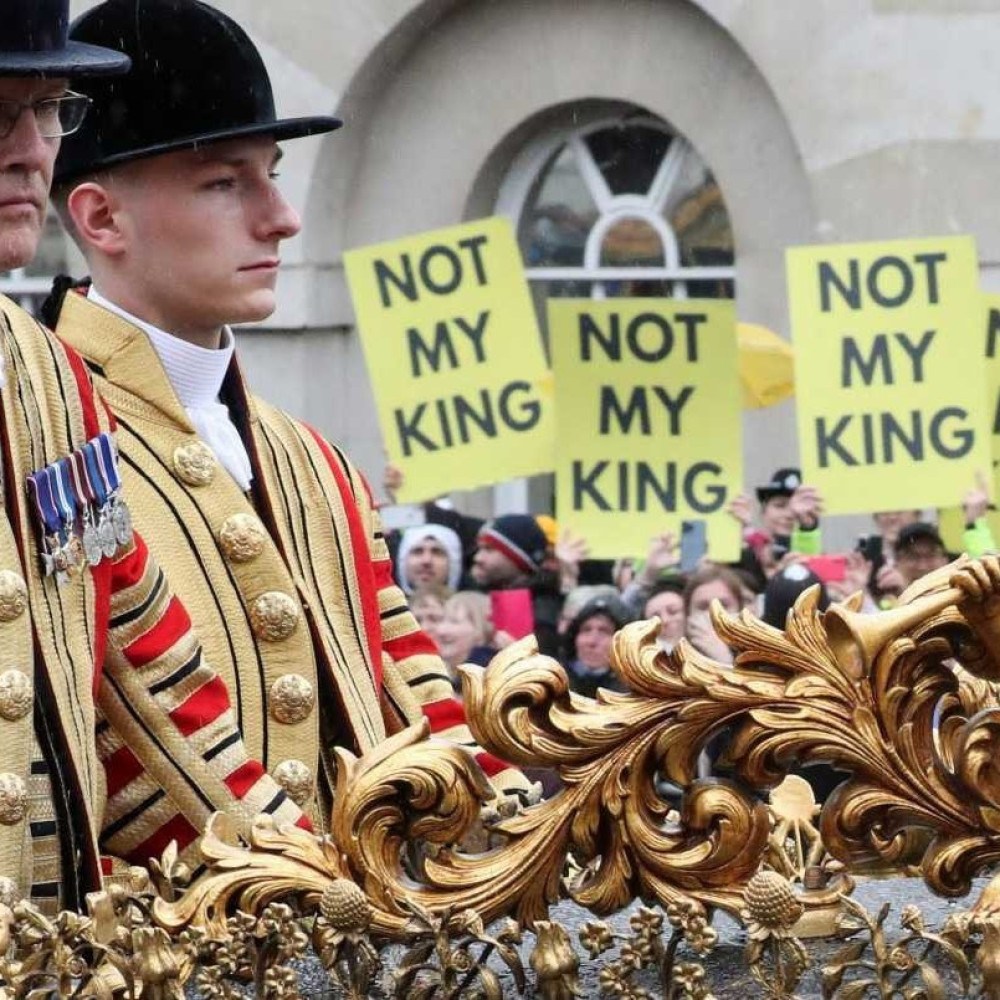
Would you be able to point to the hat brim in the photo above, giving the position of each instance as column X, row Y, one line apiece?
column 765, row 493
column 281, row 129
column 76, row 59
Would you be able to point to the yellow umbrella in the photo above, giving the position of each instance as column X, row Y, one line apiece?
column 767, row 369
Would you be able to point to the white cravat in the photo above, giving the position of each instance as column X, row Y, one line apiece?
column 196, row 375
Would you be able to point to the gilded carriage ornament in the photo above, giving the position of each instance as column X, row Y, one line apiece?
column 903, row 701
column 897, row 699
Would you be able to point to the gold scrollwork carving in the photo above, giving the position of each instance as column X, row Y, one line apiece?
column 902, row 700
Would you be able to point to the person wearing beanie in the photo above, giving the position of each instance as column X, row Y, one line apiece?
column 171, row 194
column 587, row 646
column 429, row 555
column 511, row 552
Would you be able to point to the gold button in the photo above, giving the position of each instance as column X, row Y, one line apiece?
column 195, row 463
column 296, row 779
column 13, row 799
column 242, row 537
column 17, row 694
column 273, row 616
column 9, row 893
column 13, row 595
column 291, row 698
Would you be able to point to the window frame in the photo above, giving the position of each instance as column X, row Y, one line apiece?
column 526, row 169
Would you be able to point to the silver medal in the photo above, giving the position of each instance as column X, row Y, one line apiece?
column 121, row 518
column 91, row 543
column 106, row 534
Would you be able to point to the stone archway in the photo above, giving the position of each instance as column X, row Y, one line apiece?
column 442, row 105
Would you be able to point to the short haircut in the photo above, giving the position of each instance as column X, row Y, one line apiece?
column 713, row 573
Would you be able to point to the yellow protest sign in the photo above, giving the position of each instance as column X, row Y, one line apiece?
column 992, row 350
column 952, row 520
column 888, row 371
column 453, row 351
column 648, row 421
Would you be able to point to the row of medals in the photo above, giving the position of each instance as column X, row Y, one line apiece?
column 98, row 537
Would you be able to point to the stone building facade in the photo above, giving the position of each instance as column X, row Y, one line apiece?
column 694, row 139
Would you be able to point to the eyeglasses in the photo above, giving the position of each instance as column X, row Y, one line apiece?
column 55, row 116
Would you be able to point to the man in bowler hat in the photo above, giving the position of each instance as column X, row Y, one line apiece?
column 72, row 626
column 170, row 191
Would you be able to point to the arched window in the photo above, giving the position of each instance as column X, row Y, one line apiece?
column 620, row 208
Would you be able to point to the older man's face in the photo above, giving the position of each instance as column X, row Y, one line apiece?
column 26, row 162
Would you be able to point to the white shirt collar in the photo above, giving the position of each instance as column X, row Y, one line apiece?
column 196, row 373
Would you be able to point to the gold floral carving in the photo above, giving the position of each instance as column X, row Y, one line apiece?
column 862, row 692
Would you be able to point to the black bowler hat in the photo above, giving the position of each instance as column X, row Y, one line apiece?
column 196, row 78
column 34, row 42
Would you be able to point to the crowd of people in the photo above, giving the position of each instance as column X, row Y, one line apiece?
column 459, row 573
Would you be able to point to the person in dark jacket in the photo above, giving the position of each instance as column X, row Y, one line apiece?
column 587, row 646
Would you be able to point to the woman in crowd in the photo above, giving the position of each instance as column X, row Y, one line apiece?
column 465, row 634
column 666, row 602
column 711, row 582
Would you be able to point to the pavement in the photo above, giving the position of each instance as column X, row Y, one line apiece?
column 727, row 972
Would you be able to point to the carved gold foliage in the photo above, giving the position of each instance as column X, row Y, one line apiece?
column 902, row 700
column 607, row 753
column 863, row 692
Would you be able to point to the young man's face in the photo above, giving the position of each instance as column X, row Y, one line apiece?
column 201, row 231
column 918, row 557
column 491, row 568
column 26, row 161
column 776, row 515
column 426, row 563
